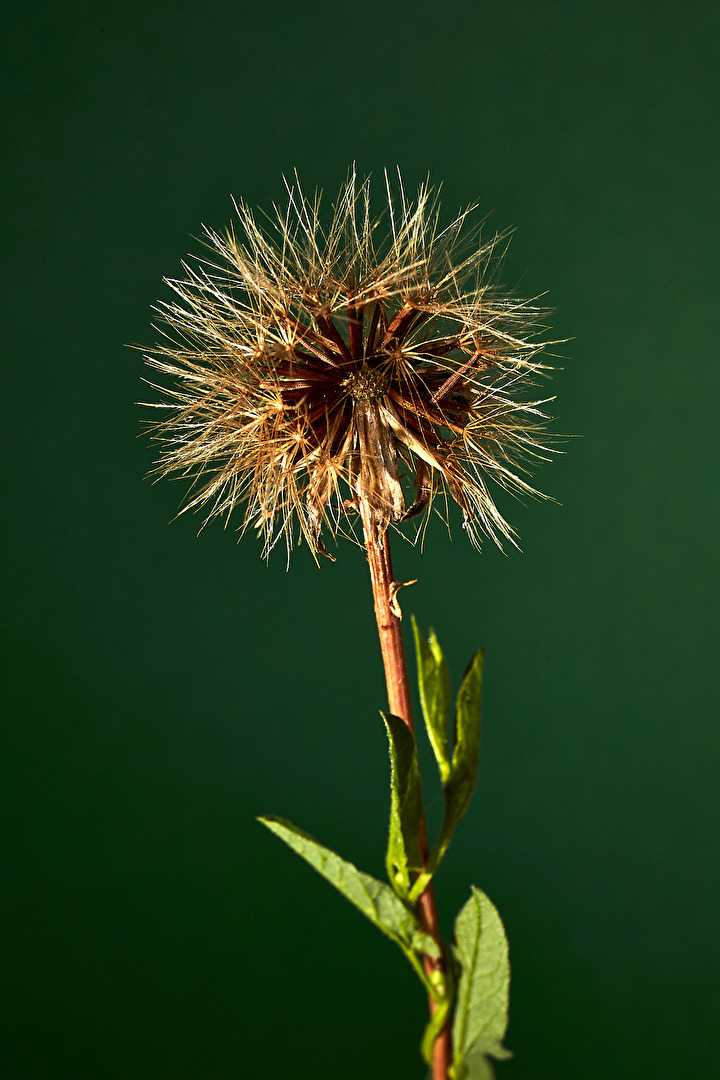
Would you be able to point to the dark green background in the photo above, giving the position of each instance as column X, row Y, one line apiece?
column 165, row 689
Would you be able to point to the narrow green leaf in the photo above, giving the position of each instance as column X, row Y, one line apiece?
column 433, row 1029
column 373, row 898
column 436, row 856
column 434, row 683
column 445, row 984
column 481, row 1013
column 403, row 850
column 461, row 785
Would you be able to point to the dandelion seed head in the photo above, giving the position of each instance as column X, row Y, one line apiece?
column 310, row 372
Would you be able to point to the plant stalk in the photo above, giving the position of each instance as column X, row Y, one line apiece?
column 384, row 588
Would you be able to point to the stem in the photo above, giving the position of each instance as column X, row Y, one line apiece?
column 377, row 543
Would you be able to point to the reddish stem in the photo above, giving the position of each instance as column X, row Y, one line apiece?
column 384, row 589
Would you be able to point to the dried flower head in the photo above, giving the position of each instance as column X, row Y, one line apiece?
column 363, row 366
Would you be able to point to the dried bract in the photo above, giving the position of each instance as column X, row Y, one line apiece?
column 370, row 364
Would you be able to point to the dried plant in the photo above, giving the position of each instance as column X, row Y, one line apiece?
column 325, row 376
column 313, row 369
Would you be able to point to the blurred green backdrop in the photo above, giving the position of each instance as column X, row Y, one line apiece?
column 164, row 689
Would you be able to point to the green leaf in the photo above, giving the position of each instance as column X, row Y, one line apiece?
column 434, row 683
column 459, row 789
column 433, row 1029
column 373, row 898
column 481, row 1013
column 444, row 980
column 403, row 850
column 460, row 783
column 476, row 1067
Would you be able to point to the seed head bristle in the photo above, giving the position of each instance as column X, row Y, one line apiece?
column 315, row 370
